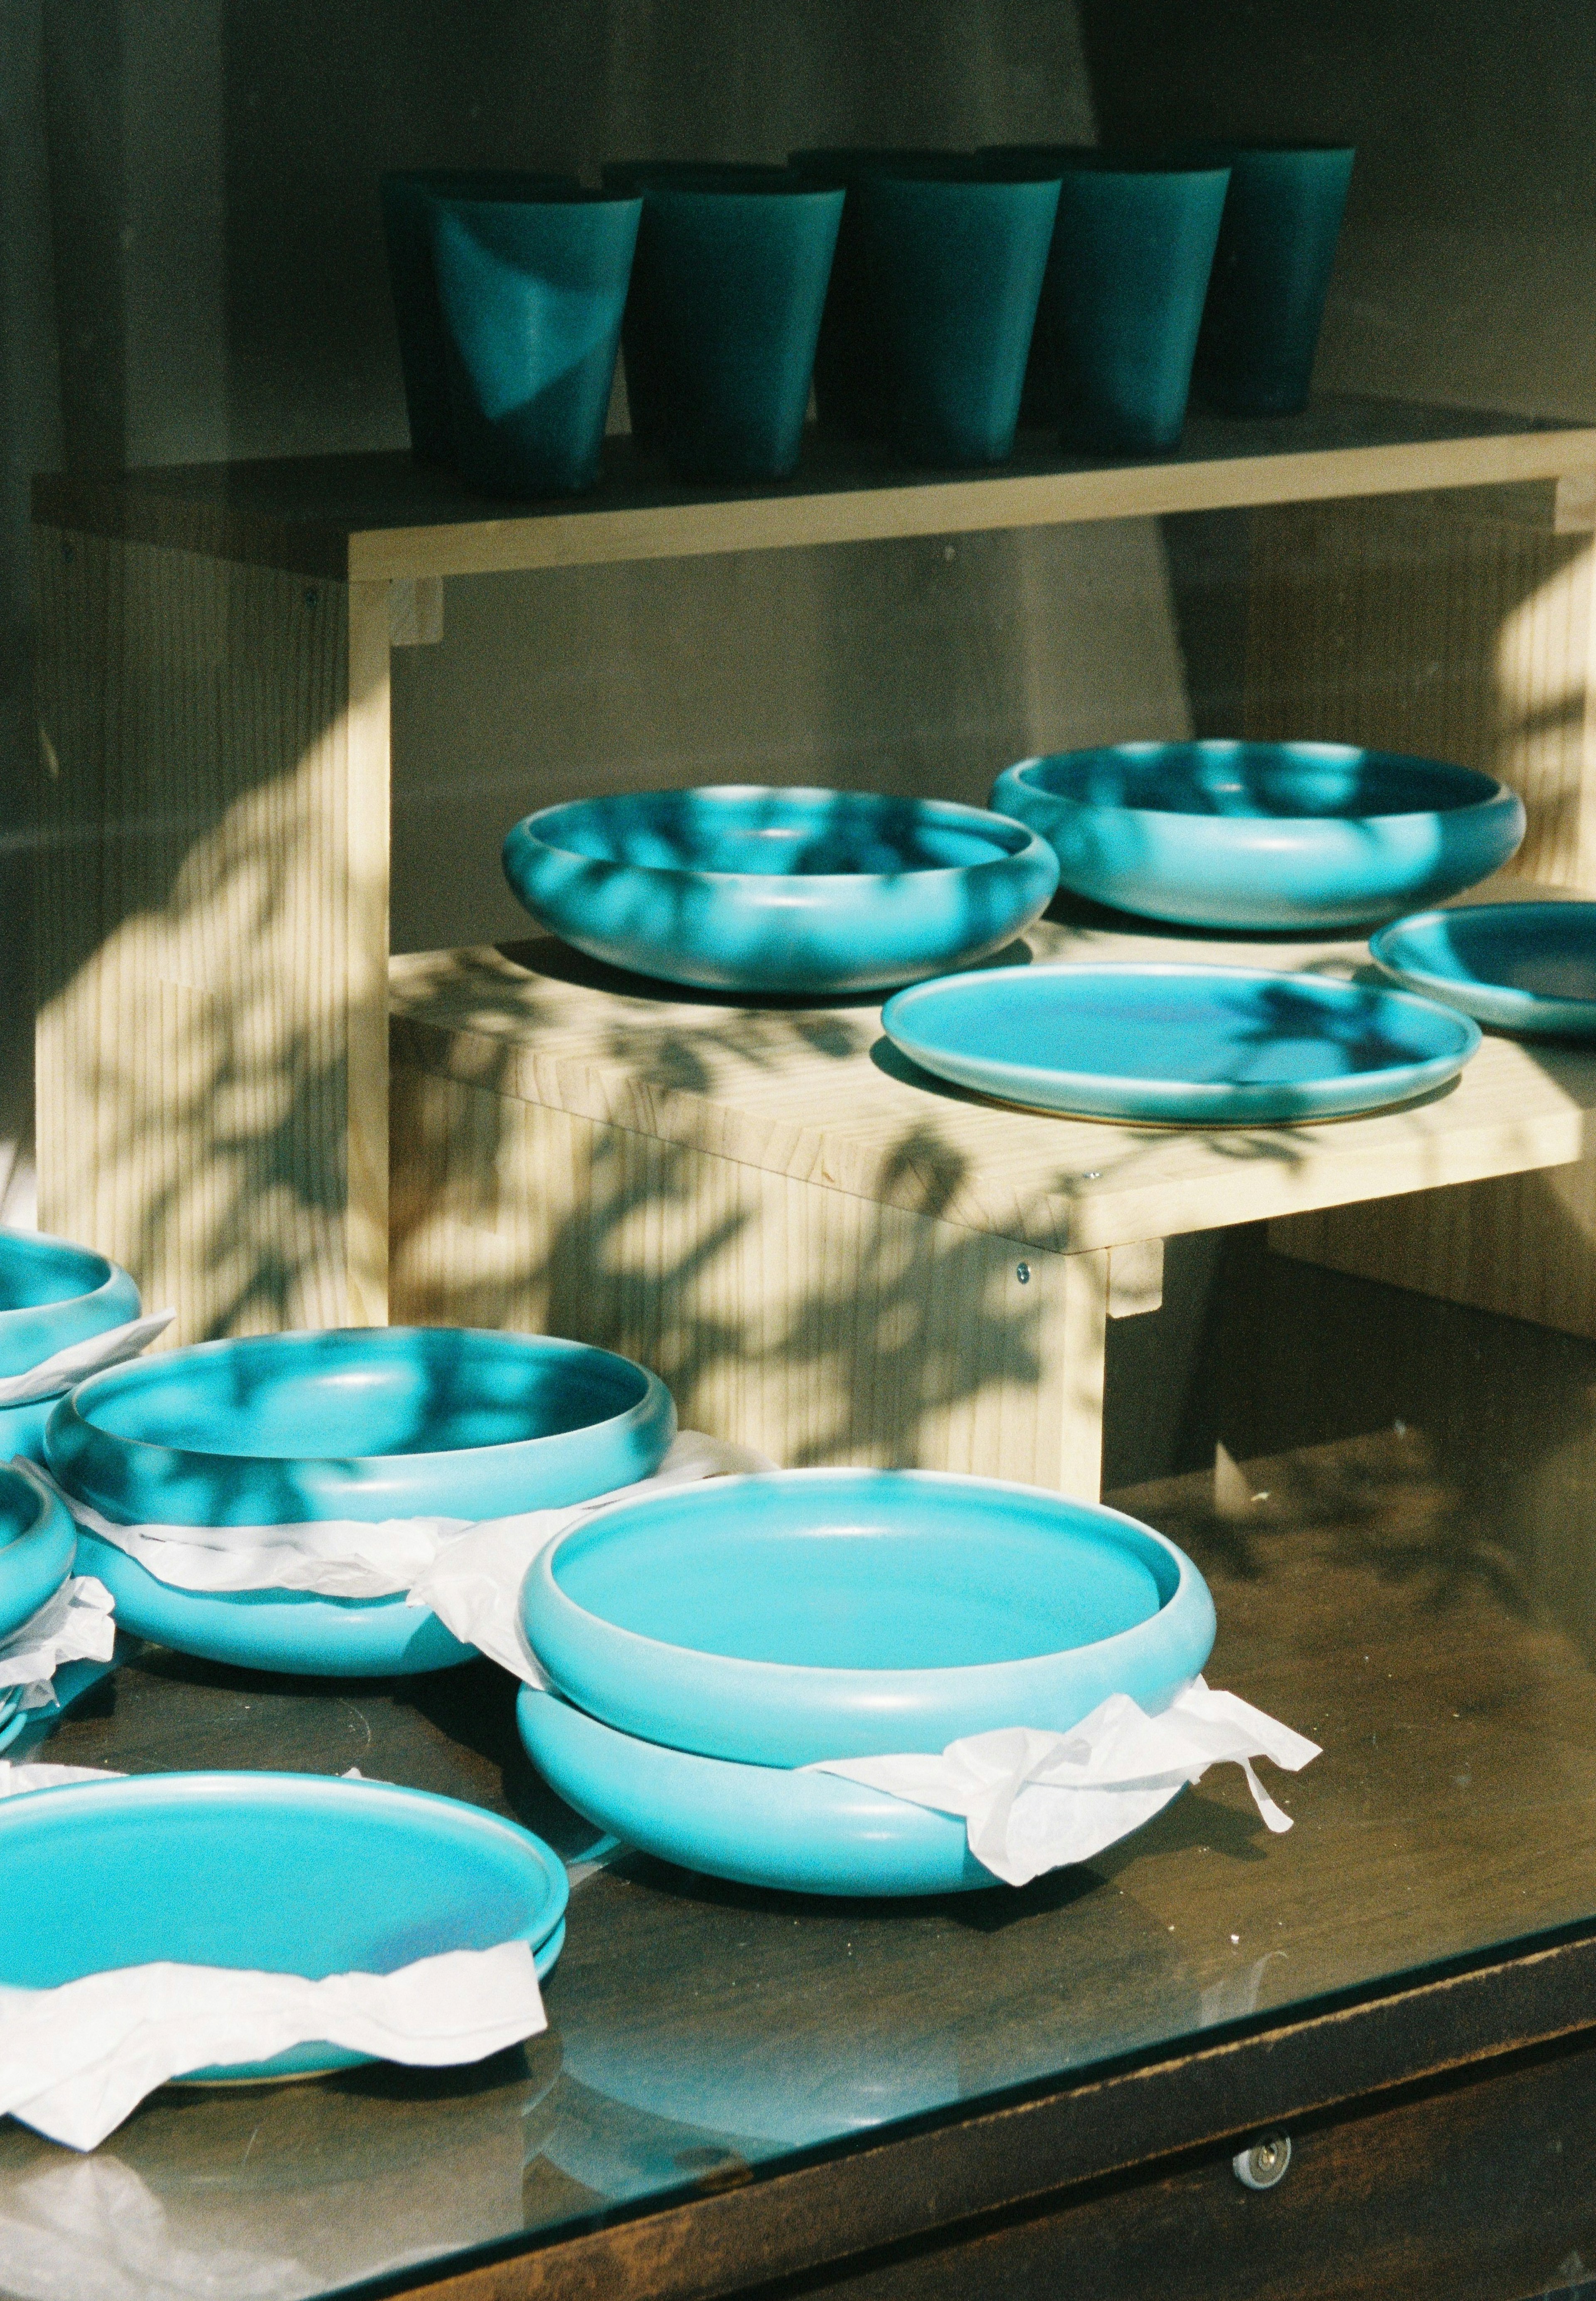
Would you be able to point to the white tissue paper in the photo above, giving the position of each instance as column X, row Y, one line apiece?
column 57, row 1374
column 74, row 1624
column 16, row 1781
column 1033, row 1801
column 75, row 2061
column 468, row 1571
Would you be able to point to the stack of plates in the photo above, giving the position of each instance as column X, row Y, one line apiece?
column 367, row 1424
column 706, row 1642
column 36, row 1549
column 274, row 1873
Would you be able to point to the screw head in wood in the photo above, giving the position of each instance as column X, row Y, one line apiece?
column 1021, row 1271
column 1263, row 2165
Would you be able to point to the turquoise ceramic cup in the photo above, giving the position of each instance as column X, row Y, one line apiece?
column 1260, row 328
column 852, row 393
column 731, row 285
column 52, row 1294
column 1129, row 272
column 414, row 282
column 955, row 268
column 640, row 330
column 531, row 293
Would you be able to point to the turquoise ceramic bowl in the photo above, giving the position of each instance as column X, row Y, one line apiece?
column 1262, row 835
column 1515, row 966
column 756, row 1825
column 741, row 889
column 369, row 1423
column 37, row 1543
column 52, row 1294
column 809, row 1614
column 275, row 1873
column 1167, row 1045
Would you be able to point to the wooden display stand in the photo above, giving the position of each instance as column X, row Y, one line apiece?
column 823, row 1252
column 216, row 747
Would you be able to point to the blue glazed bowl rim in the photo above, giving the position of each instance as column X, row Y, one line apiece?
column 1030, row 848
column 245, row 1789
column 1491, row 791
column 112, row 1272
column 1382, row 943
column 70, row 1409
column 1331, row 988
column 579, row 195
column 1129, row 1533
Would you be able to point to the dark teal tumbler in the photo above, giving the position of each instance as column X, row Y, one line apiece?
column 956, row 266
column 640, row 331
column 1260, row 329
column 531, row 294
column 423, row 360
column 732, row 282
column 853, row 385
column 1132, row 255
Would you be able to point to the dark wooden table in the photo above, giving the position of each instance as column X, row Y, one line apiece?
column 1004, row 2094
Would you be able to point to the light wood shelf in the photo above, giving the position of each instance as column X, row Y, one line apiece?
column 385, row 517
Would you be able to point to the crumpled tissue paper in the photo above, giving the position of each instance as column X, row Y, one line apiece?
column 76, row 2060
column 1033, row 1801
column 76, row 1624
column 57, row 1374
column 468, row 1571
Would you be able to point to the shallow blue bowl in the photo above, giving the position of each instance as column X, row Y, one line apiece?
column 364, row 1423
column 52, row 1294
column 1262, row 835
column 811, row 1614
column 1168, row 1045
column 1517, row 966
column 275, row 1873
column 742, row 888
column 37, row 1543
column 756, row 1825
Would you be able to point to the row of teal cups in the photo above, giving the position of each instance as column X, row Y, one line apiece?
column 932, row 299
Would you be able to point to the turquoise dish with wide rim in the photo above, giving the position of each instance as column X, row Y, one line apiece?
column 1528, row 968
column 783, row 1619
column 307, row 1874
column 1268, row 837
column 739, row 888
column 361, row 1423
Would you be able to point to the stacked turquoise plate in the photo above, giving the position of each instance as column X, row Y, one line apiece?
column 706, row 1642
column 36, row 1547
column 1528, row 968
column 274, row 1873
column 362, row 1423
column 52, row 1295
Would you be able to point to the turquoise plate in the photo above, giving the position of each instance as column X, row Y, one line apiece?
column 1517, row 966
column 367, row 1423
column 36, row 1547
column 756, row 1825
column 808, row 1614
column 742, row 888
column 276, row 1873
column 1263, row 835
column 1179, row 1046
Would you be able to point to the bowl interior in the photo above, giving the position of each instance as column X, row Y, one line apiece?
column 1206, row 1025
column 1331, row 781
column 1548, row 949
column 362, row 1393
column 870, row 1574
column 285, row 1876
column 779, row 834
column 36, row 1271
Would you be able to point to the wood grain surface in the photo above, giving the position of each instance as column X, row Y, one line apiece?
column 377, row 516
column 212, row 931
